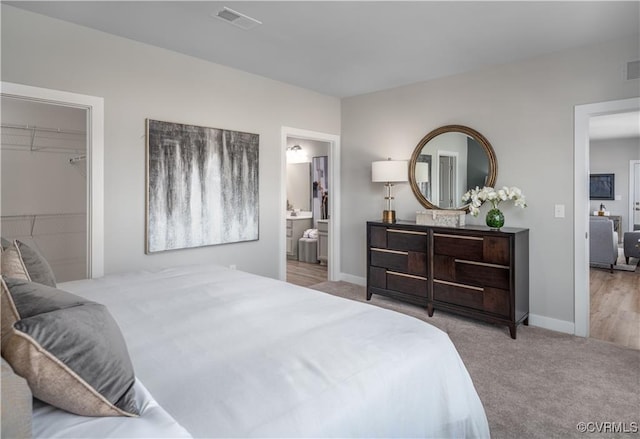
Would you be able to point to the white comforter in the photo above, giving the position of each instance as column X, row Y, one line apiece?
column 230, row 354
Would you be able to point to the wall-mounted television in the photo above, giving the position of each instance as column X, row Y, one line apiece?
column 602, row 186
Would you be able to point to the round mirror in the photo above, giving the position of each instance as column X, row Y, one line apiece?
column 448, row 162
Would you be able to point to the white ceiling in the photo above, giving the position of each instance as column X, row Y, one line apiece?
column 343, row 48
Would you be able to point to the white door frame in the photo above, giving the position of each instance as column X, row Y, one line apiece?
column 333, row 264
column 582, row 114
column 632, row 190
column 94, row 107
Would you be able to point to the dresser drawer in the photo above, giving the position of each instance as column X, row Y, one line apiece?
column 406, row 240
column 487, row 299
column 398, row 239
column 395, row 260
column 408, row 284
column 396, row 281
column 471, row 273
column 480, row 248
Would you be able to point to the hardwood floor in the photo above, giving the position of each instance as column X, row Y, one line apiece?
column 305, row 274
column 615, row 306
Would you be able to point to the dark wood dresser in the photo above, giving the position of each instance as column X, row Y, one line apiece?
column 472, row 271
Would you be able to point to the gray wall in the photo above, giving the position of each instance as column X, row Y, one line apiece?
column 138, row 81
column 526, row 111
column 612, row 157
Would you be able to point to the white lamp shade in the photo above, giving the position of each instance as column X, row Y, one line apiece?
column 389, row 171
column 422, row 172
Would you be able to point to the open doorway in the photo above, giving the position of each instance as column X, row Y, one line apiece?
column 308, row 194
column 582, row 281
column 44, row 182
column 91, row 167
column 614, row 290
column 310, row 206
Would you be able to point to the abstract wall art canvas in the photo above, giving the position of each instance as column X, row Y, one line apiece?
column 202, row 186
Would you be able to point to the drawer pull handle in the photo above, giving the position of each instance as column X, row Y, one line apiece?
column 408, row 232
column 395, row 252
column 453, row 284
column 412, row 276
column 471, row 238
column 483, row 264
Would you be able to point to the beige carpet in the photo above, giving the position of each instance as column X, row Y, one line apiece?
column 540, row 385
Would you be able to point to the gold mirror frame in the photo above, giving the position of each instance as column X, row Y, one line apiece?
column 491, row 156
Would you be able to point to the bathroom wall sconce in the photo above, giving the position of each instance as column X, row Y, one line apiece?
column 295, row 154
column 389, row 172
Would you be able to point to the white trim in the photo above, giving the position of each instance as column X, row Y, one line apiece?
column 552, row 324
column 630, row 220
column 346, row 277
column 95, row 160
column 582, row 114
column 333, row 264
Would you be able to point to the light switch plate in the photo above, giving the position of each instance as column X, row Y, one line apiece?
column 559, row 211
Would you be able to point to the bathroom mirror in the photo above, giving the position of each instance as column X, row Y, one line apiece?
column 448, row 162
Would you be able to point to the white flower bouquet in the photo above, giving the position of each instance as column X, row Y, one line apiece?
column 476, row 197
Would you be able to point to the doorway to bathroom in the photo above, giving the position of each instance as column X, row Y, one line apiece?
column 310, row 187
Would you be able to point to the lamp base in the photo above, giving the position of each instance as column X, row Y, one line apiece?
column 388, row 216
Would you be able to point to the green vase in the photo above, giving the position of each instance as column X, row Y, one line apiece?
column 495, row 219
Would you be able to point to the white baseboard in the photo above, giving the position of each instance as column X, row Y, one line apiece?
column 552, row 324
column 362, row 281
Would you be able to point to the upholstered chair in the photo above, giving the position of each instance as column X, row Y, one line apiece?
column 631, row 245
column 603, row 242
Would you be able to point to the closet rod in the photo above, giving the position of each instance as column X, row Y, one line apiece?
column 44, row 129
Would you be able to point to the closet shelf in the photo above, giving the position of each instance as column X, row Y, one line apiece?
column 42, row 139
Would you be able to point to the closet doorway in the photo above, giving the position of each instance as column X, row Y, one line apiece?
column 44, row 182
column 51, row 184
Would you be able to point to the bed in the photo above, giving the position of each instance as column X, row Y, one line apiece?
column 224, row 353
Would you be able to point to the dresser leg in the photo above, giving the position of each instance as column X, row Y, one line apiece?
column 525, row 322
column 512, row 331
column 369, row 294
column 430, row 309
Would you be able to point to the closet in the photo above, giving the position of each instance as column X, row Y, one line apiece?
column 43, row 182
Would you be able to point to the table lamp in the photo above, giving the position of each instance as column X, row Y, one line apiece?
column 389, row 172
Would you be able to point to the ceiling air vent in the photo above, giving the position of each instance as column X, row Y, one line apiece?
column 633, row 70
column 237, row 19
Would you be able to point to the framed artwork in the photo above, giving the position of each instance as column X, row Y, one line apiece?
column 602, row 186
column 202, row 186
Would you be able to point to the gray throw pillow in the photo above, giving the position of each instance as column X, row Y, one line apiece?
column 69, row 349
column 24, row 262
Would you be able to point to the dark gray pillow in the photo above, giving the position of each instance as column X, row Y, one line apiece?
column 70, row 350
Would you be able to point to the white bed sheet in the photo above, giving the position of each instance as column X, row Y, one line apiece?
column 153, row 422
column 231, row 354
